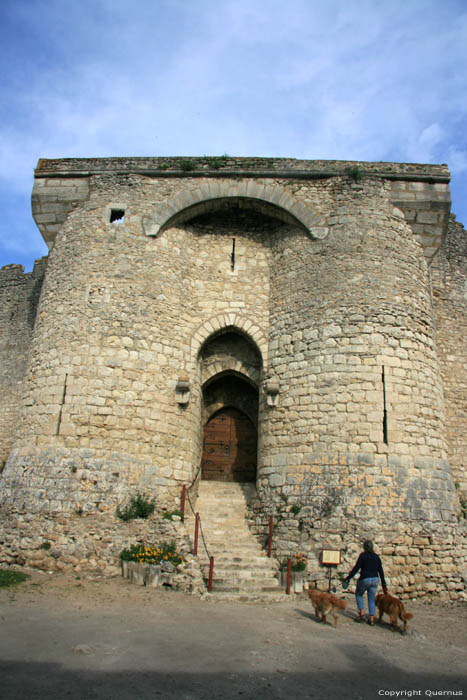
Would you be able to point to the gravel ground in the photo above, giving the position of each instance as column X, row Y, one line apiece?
column 66, row 638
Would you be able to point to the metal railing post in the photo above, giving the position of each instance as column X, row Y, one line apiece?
column 289, row 575
column 195, row 546
column 270, row 536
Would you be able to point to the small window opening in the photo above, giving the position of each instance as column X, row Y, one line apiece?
column 232, row 255
column 62, row 403
column 385, row 410
column 117, row 216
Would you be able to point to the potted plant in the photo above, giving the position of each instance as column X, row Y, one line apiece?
column 146, row 564
column 298, row 568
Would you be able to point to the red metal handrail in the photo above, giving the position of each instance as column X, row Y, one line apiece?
column 195, row 545
column 198, row 530
column 289, row 575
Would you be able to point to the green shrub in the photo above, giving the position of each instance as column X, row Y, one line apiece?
column 139, row 507
column 463, row 504
column 296, row 509
column 187, row 165
column 354, row 172
column 299, row 562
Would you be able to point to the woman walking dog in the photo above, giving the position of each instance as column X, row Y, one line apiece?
column 370, row 567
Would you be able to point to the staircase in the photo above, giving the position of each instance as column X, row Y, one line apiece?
column 242, row 569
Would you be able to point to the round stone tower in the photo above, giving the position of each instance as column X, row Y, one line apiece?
column 359, row 421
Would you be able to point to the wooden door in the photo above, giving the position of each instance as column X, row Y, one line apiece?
column 229, row 449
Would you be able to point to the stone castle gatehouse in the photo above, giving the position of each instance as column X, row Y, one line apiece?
column 296, row 324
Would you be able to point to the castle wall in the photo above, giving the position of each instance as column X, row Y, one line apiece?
column 114, row 332
column 119, row 310
column 449, row 289
column 343, row 312
column 19, row 296
column 325, row 279
column 357, row 452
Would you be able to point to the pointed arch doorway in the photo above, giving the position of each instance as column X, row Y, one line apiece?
column 229, row 447
column 230, row 366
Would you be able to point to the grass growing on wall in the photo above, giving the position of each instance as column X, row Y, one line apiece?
column 11, row 578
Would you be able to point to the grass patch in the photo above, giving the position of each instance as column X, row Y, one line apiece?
column 11, row 578
column 354, row 172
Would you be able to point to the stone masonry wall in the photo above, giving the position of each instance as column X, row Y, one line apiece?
column 90, row 545
column 420, row 558
column 330, row 288
column 343, row 311
column 449, row 287
column 345, row 308
column 114, row 330
column 19, row 296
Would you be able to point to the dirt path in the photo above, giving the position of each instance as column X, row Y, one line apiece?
column 64, row 638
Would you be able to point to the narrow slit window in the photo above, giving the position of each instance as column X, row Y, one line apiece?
column 385, row 409
column 232, row 255
column 117, row 216
column 62, row 403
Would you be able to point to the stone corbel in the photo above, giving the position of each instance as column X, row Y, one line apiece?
column 272, row 391
column 182, row 391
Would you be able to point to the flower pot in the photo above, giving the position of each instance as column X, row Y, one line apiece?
column 153, row 575
column 297, row 579
column 137, row 572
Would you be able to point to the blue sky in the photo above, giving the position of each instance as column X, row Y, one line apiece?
column 325, row 79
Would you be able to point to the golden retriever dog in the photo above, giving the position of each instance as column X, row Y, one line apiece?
column 325, row 603
column 394, row 608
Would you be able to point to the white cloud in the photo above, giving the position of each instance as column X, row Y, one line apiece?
column 457, row 161
column 327, row 79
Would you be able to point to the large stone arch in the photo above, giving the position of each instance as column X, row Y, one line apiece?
column 235, row 367
column 229, row 321
column 269, row 198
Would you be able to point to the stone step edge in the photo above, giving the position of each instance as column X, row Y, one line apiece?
column 244, row 562
column 229, row 573
column 239, row 586
column 264, row 566
column 260, row 597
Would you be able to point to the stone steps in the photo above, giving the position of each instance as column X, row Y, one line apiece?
column 225, row 560
column 242, row 571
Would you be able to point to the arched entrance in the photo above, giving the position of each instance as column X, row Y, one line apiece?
column 229, row 447
column 230, row 366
